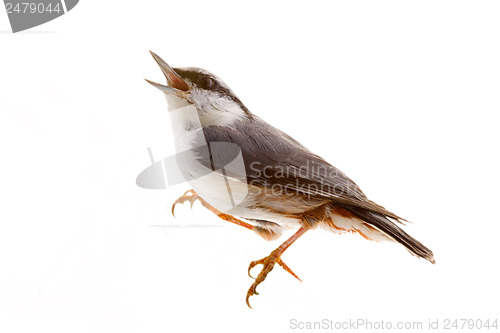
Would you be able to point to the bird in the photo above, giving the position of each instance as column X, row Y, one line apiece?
column 276, row 184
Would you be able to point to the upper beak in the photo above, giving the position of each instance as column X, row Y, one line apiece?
column 176, row 85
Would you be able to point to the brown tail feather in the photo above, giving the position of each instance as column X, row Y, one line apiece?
column 392, row 230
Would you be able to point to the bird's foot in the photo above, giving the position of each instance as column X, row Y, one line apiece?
column 189, row 196
column 268, row 265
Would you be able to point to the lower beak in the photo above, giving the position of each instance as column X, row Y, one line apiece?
column 176, row 85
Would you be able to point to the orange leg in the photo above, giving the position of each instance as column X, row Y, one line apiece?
column 269, row 262
column 191, row 196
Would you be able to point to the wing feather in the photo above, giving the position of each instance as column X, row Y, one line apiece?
column 274, row 159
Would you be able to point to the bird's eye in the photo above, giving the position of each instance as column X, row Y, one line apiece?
column 207, row 83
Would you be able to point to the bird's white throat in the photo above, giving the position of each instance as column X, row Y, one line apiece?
column 185, row 122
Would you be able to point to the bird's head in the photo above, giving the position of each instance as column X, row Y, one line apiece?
column 215, row 102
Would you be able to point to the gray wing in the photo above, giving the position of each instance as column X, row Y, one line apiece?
column 274, row 159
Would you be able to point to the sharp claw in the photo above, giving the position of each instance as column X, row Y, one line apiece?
column 252, row 291
column 249, row 268
column 268, row 263
column 175, row 204
column 252, row 265
column 192, row 201
column 189, row 195
column 248, row 302
column 288, row 269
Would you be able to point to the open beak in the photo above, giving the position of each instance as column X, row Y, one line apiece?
column 176, row 85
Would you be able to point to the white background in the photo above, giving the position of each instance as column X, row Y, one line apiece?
column 401, row 96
